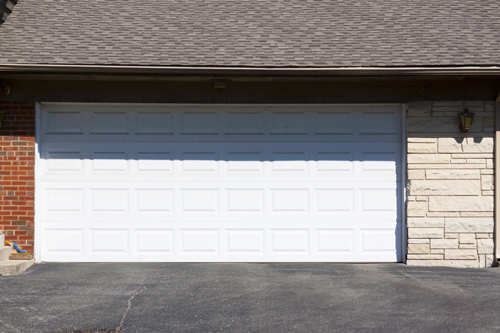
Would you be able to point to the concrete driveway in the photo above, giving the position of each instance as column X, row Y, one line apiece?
column 166, row 297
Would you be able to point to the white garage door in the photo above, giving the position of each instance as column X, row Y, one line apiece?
column 220, row 183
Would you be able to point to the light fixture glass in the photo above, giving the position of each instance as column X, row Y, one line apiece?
column 466, row 118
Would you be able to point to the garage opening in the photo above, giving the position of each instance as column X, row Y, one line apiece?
column 227, row 183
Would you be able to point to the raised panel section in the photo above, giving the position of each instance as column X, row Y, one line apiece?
column 155, row 241
column 331, row 241
column 154, row 123
column 335, row 201
column 64, row 162
column 201, row 241
column 378, row 240
column 241, row 241
column 200, row 123
column 245, row 201
column 109, row 200
column 290, row 241
column 64, row 123
column 290, row 201
column 249, row 123
column 379, row 200
column 109, row 123
column 379, row 161
column 155, row 162
column 290, row 161
column 200, row 161
column 110, row 240
column 200, row 200
column 379, row 123
column 335, row 123
column 245, row 161
column 64, row 240
column 335, row 161
column 109, row 161
column 289, row 123
column 64, row 201
column 155, row 200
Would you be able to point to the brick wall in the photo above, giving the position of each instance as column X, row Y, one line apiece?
column 450, row 185
column 17, row 173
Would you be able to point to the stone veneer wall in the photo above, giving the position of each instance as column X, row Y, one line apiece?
column 450, row 195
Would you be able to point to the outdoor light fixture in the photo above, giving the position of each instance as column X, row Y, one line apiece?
column 2, row 113
column 466, row 120
column 220, row 83
column 5, row 87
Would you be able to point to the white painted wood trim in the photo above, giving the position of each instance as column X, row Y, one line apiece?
column 497, row 180
column 404, row 153
column 37, row 225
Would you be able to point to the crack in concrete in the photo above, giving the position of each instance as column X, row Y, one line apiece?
column 141, row 288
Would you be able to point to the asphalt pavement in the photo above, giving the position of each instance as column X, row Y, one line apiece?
column 229, row 297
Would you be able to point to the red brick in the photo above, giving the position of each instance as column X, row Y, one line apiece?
column 17, row 160
column 15, row 227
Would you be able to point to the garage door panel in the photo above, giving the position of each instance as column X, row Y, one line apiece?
column 379, row 122
column 63, row 161
column 220, row 183
column 60, row 201
column 154, row 241
column 106, row 122
column 199, row 201
column 61, row 121
column 244, row 201
column 153, row 162
column 154, row 201
column 109, row 161
column 188, row 243
column 215, row 202
column 109, row 241
column 331, row 241
column 179, row 123
column 249, row 241
column 335, row 123
column 244, row 123
column 335, row 201
column 154, row 122
column 69, row 241
column 199, row 241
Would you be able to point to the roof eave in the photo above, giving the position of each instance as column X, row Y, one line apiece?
column 251, row 71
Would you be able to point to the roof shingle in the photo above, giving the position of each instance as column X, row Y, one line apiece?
column 253, row 33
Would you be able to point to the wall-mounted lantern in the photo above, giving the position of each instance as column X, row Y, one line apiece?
column 466, row 118
column 4, row 87
column 2, row 113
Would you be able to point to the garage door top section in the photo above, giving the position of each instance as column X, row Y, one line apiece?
column 222, row 123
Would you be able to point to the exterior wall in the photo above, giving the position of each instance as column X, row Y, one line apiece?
column 450, row 211
column 17, row 173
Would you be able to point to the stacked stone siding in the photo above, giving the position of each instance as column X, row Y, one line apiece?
column 450, row 185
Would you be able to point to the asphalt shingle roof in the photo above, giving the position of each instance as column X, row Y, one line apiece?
column 253, row 33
